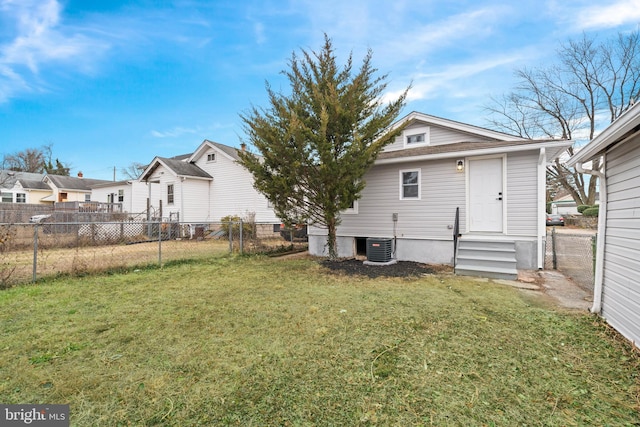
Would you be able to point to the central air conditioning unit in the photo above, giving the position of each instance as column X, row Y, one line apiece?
column 378, row 250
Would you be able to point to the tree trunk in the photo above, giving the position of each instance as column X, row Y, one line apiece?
column 331, row 239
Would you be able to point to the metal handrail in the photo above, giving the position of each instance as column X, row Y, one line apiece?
column 456, row 235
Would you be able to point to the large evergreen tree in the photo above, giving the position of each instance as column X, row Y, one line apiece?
column 316, row 143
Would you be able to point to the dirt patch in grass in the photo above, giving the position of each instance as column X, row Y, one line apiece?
column 355, row 267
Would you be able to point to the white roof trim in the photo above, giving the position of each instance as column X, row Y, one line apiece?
column 464, row 127
column 478, row 152
column 206, row 143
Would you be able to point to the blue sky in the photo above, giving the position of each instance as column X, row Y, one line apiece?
column 109, row 82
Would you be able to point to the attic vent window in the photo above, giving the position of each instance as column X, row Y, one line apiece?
column 211, row 157
column 416, row 139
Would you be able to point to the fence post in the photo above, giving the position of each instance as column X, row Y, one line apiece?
column 230, row 237
column 160, row 243
column 594, row 240
column 241, row 241
column 553, row 248
column 35, row 252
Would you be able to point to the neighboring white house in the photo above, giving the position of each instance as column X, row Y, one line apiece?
column 436, row 166
column 207, row 186
column 617, row 276
column 132, row 194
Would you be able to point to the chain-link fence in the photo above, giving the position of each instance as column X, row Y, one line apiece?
column 32, row 251
column 573, row 255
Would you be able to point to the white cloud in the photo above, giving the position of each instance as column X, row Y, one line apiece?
column 173, row 133
column 39, row 40
column 609, row 16
column 453, row 79
column 258, row 29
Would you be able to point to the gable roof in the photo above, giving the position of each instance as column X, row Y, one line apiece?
column 74, row 183
column 431, row 152
column 230, row 152
column 620, row 130
column 452, row 124
column 8, row 178
column 179, row 168
column 30, row 184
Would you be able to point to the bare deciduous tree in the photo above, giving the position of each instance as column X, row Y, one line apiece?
column 35, row 160
column 592, row 82
column 133, row 171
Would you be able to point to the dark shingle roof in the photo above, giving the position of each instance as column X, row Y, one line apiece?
column 182, row 168
column 8, row 178
column 75, row 183
column 30, row 184
column 233, row 152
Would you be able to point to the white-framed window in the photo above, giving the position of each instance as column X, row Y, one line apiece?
column 170, row 194
column 21, row 198
column 87, row 197
column 353, row 209
column 120, row 196
column 7, row 197
column 410, row 184
column 211, row 157
column 416, row 136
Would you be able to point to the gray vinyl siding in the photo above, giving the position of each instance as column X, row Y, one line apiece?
column 522, row 194
column 621, row 285
column 442, row 190
column 437, row 136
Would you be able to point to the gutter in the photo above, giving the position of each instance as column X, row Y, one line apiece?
column 602, row 220
column 468, row 153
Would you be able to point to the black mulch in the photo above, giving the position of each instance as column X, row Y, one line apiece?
column 400, row 269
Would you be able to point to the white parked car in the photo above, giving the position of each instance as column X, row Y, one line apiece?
column 37, row 219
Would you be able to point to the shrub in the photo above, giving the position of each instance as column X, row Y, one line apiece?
column 582, row 208
column 592, row 211
column 234, row 221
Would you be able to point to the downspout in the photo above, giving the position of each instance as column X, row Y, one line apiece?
column 602, row 218
column 182, row 216
column 542, row 201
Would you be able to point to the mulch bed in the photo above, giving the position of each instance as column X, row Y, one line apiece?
column 400, row 269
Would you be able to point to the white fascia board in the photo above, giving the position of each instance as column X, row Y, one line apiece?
column 202, row 178
column 207, row 144
column 464, row 127
column 470, row 153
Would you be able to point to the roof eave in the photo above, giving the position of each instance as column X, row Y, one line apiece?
column 464, row 127
column 476, row 152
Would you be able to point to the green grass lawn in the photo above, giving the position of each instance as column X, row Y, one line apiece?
column 255, row 341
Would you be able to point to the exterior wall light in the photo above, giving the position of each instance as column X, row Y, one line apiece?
column 460, row 165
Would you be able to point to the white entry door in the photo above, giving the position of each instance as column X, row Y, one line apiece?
column 485, row 195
